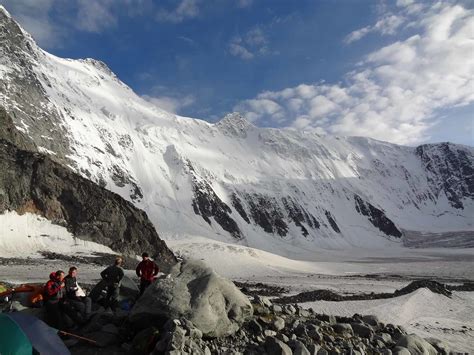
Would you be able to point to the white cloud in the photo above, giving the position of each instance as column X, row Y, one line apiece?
column 170, row 103
column 237, row 50
column 83, row 15
column 253, row 43
column 186, row 9
column 387, row 25
column 95, row 15
column 33, row 16
column 244, row 3
column 168, row 99
column 397, row 91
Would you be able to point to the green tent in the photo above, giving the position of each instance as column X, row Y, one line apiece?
column 25, row 334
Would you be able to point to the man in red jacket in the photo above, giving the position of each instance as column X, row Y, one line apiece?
column 53, row 295
column 146, row 271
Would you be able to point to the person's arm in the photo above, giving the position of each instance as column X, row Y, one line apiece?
column 121, row 274
column 103, row 274
column 52, row 288
column 138, row 269
column 70, row 285
column 156, row 269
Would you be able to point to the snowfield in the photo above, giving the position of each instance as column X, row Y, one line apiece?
column 27, row 235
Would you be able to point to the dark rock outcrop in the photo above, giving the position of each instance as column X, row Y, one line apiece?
column 33, row 182
column 207, row 204
column 450, row 170
column 376, row 217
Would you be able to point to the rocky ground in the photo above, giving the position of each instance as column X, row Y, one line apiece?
column 195, row 311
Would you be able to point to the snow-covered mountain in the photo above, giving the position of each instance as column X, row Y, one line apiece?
column 273, row 189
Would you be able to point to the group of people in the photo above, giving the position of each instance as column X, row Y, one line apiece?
column 62, row 294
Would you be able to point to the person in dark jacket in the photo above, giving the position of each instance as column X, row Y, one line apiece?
column 76, row 296
column 53, row 295
column 146, row 270
column 111, row 280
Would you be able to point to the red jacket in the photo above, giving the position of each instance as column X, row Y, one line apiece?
column 147, row 270
column 53, row 290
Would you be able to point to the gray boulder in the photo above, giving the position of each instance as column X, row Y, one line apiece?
column 439, row 345
column 416, row 345
column 276, row 347
column 195, row 292
column 362, row 330
column 400, row 350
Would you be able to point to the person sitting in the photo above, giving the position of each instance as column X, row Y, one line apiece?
column 57, row 306
column 76, row 296
column 146, row 270
column 52, row 296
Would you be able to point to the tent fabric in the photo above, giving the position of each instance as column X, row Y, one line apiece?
column 43, row 338
column 13, row 341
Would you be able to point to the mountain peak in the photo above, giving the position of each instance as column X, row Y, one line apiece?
column 14, row 40
column 235, row 124
column 4, row 12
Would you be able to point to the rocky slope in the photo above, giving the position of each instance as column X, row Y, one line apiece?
column 278, row 190
column 32, row 182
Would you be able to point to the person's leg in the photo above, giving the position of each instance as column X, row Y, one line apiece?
column 54, row 314
column 142, row 286
column 88, row 305
column 78, row 305
column 114, row 294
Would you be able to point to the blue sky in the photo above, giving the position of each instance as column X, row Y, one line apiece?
column 386, row 69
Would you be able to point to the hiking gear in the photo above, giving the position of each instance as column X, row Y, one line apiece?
column 147, row 270
column 23, row 334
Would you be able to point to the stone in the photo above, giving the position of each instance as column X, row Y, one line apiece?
column 313, row 348
column 371, row 320
column 269, row 333
column 195, row 292
column 110, row 328
column 343, row 328
column 416, row 345
column 278, row 323
column 385, row 337
column 400, row 350
column 263, row 301
column 313, row 332
column 439, row 345
column 255, row 327
column 276, row 308
column 282, row 337
column 322, row 352
column 362, row 330
column 385, row 351
column 289, row 309
column 277, row 347
column 299, row 348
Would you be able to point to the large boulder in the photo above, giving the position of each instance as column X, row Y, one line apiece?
column 195, row 292
column 416, row 345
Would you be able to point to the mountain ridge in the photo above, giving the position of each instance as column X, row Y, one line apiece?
column 232, row 181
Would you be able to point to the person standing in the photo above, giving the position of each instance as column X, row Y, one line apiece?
column 76, row 296
column 146, row 270
column 112, row 279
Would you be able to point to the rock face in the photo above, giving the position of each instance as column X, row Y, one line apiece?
column 194, row 291
column 33, row 182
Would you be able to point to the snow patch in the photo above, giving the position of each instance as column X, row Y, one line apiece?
column 28, row 235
